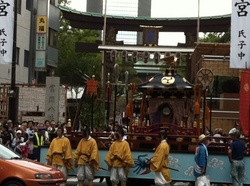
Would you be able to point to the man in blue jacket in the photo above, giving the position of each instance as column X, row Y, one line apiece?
column 236, row 153
column 201, row 154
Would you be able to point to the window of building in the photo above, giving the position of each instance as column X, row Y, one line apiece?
column 29, row 5
column 17, row 55
column 19, row 6
column 26, row 58
column 52, row 38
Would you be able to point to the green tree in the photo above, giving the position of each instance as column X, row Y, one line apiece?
column 216, row 37
column 73, row 67
column 72, row 64
column 63, row 2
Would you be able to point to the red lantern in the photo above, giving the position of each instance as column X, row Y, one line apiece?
column 92, row 86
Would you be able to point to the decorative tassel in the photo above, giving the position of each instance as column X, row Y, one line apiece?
column 197, row 93
column 129, row 111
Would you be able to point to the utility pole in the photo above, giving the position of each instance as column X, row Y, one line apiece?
column 198, row 22
column 108, row 90
column 116, row 72
column 104, row 42
column 13, row 111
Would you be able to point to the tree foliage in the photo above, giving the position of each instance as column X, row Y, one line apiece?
column 63, row 2
column 72, row 67
column 216, row 37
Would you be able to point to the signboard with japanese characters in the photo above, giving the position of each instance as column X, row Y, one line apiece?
column 240, row 34
column 52, row 98
column 41, row 41
column 40, row 64
column 32, row 100
column 41, row 27
column 6, row 30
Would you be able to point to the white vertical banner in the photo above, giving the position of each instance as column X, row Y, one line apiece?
column 6, row 30
column 52, row 98
column 240, row 34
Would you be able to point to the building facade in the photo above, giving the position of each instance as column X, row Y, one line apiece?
column 26, row 42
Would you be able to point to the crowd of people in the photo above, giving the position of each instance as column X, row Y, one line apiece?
column 25, row 139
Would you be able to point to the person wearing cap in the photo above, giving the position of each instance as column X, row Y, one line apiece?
column 201, row 155
column 159, row 161
column 119, row 158
column 236, row 154
column 43, row 127
column 17, row 140
column 10, row 124
column 86, row 158
column 38, row 141
column 59, row 153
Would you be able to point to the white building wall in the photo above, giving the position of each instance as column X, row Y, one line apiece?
column 5, row 73
column 23, row 34
column 23, row 39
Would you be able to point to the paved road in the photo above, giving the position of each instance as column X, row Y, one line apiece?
column 72, row 181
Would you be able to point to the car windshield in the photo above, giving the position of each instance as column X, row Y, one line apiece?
column 6, row 153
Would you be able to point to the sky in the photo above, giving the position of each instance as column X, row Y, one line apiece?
column 174, row 9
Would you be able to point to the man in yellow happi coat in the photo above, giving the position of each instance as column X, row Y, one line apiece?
column 119, row 158
column 159, row 162
column 59, row 154
column 86, row 158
